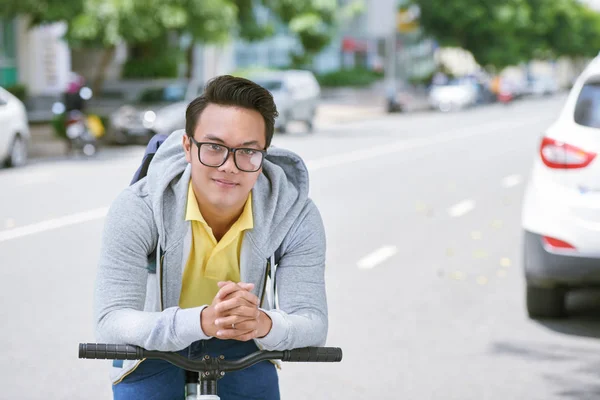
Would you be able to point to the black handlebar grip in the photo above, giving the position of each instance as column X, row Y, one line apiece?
column 313, row 354
column 110, row 351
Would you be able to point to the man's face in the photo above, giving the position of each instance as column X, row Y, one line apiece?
column 224, row 188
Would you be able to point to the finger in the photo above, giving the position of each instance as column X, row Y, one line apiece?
column 240, row 322
column 243, row 285
column 237, row 335
column 251, row 298
column 237, row 302
column 240, row 328
column 227, row 289
column 244, row 312
column 246, row 286
column 247, row 337
column 227, row 307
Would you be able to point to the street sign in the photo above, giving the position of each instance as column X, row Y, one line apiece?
column 407, row 19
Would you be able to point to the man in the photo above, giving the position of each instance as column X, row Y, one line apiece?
column 215, row 214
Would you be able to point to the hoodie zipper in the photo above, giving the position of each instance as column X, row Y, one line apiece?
column 160, row 295
column 129, row 372
column 262, row 297
column 264, row 288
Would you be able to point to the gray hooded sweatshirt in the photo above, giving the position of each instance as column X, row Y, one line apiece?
column 137, row 295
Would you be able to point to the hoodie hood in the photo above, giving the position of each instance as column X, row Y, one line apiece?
column 279, row 194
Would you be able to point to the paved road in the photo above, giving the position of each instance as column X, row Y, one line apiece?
column 424, row 277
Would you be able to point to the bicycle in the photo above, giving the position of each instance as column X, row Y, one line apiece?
column 204, row 374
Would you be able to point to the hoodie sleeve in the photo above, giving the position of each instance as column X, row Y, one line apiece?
column 130, row 234
column 302, row 318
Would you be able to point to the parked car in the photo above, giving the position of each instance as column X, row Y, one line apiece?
column 561, row 210
column 405, row 97
column 14, row 135
column 542, row 86
column 455, row 95
column 155, row 109
column 296, row 94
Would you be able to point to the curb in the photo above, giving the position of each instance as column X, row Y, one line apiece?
column 44, row 144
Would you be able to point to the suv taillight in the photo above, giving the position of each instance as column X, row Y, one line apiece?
column 556, row 244
column 557, row 154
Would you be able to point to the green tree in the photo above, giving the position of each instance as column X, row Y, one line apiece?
column 41, row 11
column 313, row 22
column 503, row 33
column 142, row 22
column 105, row 23
column 487, row 28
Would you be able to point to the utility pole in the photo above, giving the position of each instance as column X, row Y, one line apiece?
column 391, row 60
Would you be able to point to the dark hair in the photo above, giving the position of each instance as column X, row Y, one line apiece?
column 227, row 90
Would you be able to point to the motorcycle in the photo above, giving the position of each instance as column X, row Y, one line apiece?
column 506, row 94
column 82, row 131
column 80, row 134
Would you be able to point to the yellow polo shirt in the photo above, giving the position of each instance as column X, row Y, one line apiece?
column 210, row 261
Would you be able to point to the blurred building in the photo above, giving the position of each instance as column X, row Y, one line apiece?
column 8, row 53
column 37, row 57
column 42, row 61
column 360, row 42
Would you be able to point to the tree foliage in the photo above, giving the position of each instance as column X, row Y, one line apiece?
column 505, row 32
column 313, row 22
column 105, row 23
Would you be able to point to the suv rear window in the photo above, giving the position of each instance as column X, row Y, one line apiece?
column 587, row 109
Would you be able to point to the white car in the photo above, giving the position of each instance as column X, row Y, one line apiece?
column 455, row 95
column 561, row 209
column 14, row 131
column 156, row 109
column 543, row 86
column 296, row 94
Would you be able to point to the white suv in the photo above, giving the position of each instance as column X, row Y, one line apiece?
column 296, row 94
column 14, row 134
column 561, row 208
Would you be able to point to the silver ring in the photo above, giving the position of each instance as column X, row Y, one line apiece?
column 232, row 326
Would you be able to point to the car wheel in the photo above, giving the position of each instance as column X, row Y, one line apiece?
column 310, row 126
column 17, row 156
column 283, row 127
column 546, row 302
column 89, row 149
column 445, row 106
column 393, row 107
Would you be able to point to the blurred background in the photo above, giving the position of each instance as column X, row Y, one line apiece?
column 452, row 149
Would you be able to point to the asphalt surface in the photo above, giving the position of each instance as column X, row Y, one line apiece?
column 425, row 283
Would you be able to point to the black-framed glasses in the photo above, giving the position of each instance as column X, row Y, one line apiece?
column 214, row 155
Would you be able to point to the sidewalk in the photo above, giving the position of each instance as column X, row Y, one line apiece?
column 44, row 144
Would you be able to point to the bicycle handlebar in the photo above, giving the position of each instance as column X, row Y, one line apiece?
column 128, row 352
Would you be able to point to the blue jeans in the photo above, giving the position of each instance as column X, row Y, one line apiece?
column 160, row 380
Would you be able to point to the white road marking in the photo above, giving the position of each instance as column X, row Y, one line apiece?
column 51, row 224
column 511, row 180
column 461, row 208
column 377, row 257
